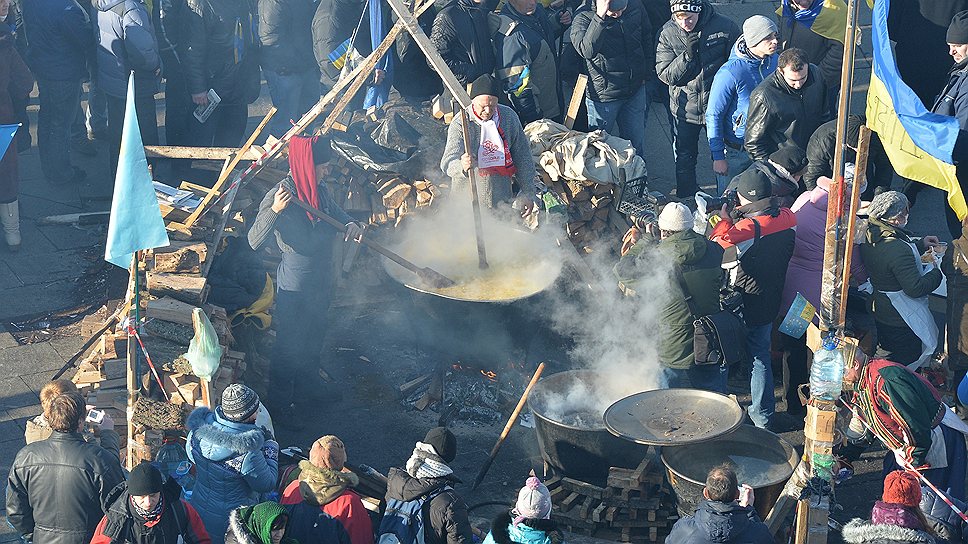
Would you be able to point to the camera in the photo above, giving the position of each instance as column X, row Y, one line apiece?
column 94, row 416
column 730, row 199
column 643, row 219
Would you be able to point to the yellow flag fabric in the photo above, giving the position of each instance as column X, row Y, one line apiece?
column 828, row 18
column 918, row 142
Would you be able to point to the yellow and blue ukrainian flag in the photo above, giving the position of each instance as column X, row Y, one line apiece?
column 918, row 142
column 828, row 18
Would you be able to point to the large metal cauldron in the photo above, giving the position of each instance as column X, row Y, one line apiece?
column 584, row 451
column 479, row 329
column 760, row 458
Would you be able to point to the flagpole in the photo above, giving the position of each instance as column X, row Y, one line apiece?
column 132, row 357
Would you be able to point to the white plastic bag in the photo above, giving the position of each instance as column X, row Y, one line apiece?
column 204, row 351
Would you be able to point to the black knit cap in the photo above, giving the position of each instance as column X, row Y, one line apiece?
column 144, row 479
column 322, row 150
column 958, row 29
column 443, row 441
column 484, row 85
column 753, row 185
column 791, row 157
column 688, row 6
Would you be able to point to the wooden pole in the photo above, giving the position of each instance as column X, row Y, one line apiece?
column 509, row 425
column 475, row 203
column 132, row 362
column 860, row 176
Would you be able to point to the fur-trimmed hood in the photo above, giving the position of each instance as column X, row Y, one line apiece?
column 320, row 486
column 860, row 531
column 238, row 530
column 221, row 439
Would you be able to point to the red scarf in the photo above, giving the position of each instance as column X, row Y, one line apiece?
column 303, row 171
column 508, row 169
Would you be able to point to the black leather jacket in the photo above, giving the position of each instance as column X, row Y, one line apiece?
column 780, row 115
column 57, row 487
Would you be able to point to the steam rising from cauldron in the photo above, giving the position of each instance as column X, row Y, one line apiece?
column 615, row 336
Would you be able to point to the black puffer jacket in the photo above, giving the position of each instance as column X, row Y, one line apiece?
column 462, row 37
column 619, row 53
column 716, row 522
column 57, row 487
column 779, row 114
column 826, row 53
column 222, row 49
column 445, row 517
column 690, row 80
column 333, row 23
column 285, row 30
column 820, row 154
column 412, row 75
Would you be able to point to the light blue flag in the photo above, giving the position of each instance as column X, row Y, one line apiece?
column 7, row 132
column 136, row 221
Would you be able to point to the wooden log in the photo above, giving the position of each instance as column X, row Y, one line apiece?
column 577, row 95
column 190, row 289
column 414, row 384
column 395, row 197
column 169, row 309
column 184, row 257
column 200, row 153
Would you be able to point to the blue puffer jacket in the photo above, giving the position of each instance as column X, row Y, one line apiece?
column 235, row 463
column 730, row 95
column 59, row 39
column 126, row 41
column 503, row 531
column 720, row 523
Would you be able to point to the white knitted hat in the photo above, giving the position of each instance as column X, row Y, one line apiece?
column 675, row 217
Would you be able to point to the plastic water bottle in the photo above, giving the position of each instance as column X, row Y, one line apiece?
column 183, row 475
column 827, row 372
column 823, row 463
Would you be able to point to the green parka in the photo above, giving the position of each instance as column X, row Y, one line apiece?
column 893, row 266
column 700, row 261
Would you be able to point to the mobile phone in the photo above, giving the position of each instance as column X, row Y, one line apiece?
column 94, row 416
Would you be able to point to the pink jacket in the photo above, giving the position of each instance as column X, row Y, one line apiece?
column 804, row 270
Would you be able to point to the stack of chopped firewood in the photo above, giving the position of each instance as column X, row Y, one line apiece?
column 382, row 197
column 590, row 211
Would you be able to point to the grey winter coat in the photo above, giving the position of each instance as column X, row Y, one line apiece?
column 235, row 463
column 690, row 77
column 492, row 190
column 57, row 487
column 859, row 531
column 125, row 42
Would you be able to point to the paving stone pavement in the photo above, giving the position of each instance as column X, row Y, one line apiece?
column 60, row 267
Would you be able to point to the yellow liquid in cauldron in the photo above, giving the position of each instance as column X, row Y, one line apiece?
column 503, row 281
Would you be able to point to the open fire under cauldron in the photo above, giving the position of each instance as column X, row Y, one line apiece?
column 568, row 408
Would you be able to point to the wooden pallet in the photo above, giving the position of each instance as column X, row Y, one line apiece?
column 634, row 506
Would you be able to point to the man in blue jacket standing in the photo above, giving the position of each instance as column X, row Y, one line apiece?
column 59, row 41
column 752, row 59
column 126, row 42
column 725, row 515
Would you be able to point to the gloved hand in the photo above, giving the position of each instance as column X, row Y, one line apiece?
column 692, row 44
column 354, row 231
column 271, row 450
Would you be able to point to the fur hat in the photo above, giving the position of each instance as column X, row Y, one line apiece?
column 676, row 217
column 443, row 441
column 902, row 488
column 239, row 403
column 958, row 29
column 144, row 479
column 757, row 28
column 328, row 452
column 534, row 500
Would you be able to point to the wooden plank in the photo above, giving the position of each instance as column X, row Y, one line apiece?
column 181, row 257
column 429, row 51
column 169, row 309
column 576, row 99
column 224, row 176
column 584, row 488
column 199, row 153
